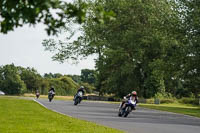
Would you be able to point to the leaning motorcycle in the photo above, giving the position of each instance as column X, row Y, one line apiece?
column 126, row 108
column 51, row 95
column 78, row 98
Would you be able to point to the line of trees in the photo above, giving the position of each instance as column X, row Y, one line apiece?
column 152, row 46
column 18, row 80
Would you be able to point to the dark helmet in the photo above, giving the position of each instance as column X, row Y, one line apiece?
column 52, row 88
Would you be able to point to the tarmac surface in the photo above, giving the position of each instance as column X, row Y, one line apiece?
column 141, row 120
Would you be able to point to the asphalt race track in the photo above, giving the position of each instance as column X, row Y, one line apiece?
column 139, row 121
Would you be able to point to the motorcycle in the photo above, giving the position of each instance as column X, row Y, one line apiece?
column 51, row 95
column 78, row 98
column 37, row 95
column 125, row 109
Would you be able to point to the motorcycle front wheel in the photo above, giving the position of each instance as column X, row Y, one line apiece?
column 121, row 112
column 127, row 111
column 76, row 101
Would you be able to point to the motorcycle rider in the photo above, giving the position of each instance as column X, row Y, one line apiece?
column 133, row 96
column 37, row 94
column 52, row 90
column 80, row 89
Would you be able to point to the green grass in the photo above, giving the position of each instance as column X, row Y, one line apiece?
column 26, row 116
column 176, row 108
column 46, row 96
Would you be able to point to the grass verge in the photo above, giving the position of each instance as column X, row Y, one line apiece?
column 45, row 96
column 26, row 116
column 176, row 108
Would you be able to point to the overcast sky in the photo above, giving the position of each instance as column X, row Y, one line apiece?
column 23, row 47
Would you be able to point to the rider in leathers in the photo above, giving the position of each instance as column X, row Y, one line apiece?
column 52, row 90
column 133, row 96
column 80, row 89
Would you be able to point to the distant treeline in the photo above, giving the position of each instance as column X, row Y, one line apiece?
column 15, row 80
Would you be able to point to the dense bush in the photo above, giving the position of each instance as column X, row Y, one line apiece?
column 168, row 101
column 149, row 101
column 174, row 100
column 18, row 80
column 10, row 80
column 64, row 85
column 189, row 101
column 163, row 95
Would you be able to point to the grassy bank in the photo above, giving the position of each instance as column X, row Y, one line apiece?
column 176, row 108
column 26, row 116
column 45, row 96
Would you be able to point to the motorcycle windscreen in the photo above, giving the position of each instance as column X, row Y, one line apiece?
column 80, row 93
column 131, row 102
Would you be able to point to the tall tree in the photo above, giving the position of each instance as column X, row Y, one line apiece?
column 88, row 76
column 135, row 51
column 191, row 19
column 10, row 80
column 31, row 78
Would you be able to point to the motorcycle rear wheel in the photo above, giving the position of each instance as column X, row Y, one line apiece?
column 120, row 112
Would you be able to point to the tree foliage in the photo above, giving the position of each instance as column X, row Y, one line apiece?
column 31, row 78
column 18, row 80
column 88, row 76
column 151, row 47
column 191, row 26
column 52, row 13
column 10, row 80
column 135, row 51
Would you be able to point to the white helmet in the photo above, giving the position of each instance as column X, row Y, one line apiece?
column 82, row 87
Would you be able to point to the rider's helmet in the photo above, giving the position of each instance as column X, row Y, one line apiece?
column 82, row 87
column 134, row 93
column 52, row 88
